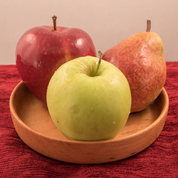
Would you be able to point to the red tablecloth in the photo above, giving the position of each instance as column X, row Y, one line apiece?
column 18, row 160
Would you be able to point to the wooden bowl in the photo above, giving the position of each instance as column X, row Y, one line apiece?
column 35, row 127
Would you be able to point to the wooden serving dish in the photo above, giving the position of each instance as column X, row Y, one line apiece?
column 35, row 127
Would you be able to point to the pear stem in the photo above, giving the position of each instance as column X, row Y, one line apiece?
column 148, row 26
column 54, row 21
column 99, row 62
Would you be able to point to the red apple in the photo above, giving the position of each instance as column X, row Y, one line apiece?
column 42, row 50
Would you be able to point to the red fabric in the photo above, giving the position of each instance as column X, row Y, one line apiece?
column 18, row 160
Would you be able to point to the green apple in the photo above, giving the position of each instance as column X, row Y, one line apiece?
column 89, row 99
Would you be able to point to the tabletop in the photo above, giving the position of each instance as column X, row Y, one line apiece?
column 160, row 159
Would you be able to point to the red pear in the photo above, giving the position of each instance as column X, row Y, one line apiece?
column 141, row 58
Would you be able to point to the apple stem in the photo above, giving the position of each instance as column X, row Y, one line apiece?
column 99, row 62
column 54, row 21
column 148, row 26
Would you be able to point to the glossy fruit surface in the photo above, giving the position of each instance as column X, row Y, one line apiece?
column 41, row 50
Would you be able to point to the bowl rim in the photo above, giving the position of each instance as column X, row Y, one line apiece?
column 153, row 124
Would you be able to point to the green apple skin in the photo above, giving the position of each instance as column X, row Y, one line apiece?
column 85, row 106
